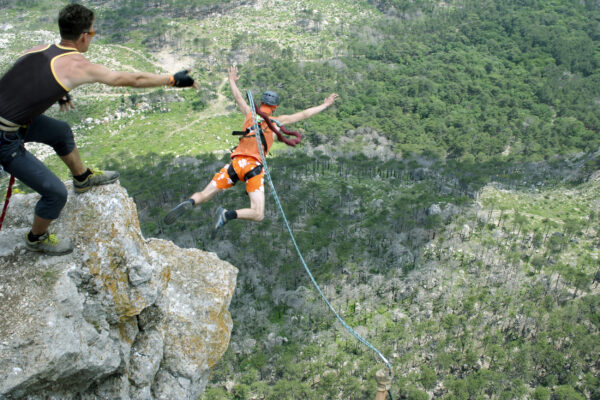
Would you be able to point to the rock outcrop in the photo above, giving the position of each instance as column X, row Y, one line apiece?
column 122, row 317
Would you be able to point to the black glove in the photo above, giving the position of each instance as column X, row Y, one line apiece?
column 181, row 79
column 64, row 100
column 65, row 103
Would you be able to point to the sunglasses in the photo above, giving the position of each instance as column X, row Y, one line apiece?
column 91, row 33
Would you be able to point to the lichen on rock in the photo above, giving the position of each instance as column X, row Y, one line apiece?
column 121, row 317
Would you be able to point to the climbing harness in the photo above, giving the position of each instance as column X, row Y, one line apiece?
column 249, row 175
column 245, row 134
column 276, row 197
column 277, row 130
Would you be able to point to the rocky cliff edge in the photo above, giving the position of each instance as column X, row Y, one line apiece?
column 122, row 317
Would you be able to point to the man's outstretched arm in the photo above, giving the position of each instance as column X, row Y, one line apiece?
column 309, row 112
column 237, row 94
column 78, row 71
column 132, row 79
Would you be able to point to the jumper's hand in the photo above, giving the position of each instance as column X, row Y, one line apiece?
column 331, row 99
column 384, row 380
column 233, row 74
column 65, row 103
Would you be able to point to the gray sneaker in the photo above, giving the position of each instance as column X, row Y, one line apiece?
column 221, row 220
column 96, row 178
column 51, row 244
column 177, row 212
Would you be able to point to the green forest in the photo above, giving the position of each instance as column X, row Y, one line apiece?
column 448, row 203
column 467, row 82
column 455, row 309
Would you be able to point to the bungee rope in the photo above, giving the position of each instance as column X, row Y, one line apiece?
column 256, row 128
column 11, row 182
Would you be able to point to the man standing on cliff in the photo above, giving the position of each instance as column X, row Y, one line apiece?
column 41, row 77
column 246, row 163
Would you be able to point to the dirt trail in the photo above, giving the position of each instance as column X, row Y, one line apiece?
column 141, row 55
column 218, row 107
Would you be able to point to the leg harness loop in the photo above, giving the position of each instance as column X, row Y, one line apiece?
column 232, row 174
column 249, row 175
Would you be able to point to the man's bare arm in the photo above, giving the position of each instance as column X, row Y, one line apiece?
column 237, row 94
column 99, row 73
column 75, row 70
column 309, row 112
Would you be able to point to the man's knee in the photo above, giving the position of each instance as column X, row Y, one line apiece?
column 66, row 141
column 53, row 132
column 57, row 195
column 259, row 216
column 53, row 200
column 257, row 204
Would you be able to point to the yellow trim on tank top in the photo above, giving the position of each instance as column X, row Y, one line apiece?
column 36, row 51
column 54, row 72
column 65, row 47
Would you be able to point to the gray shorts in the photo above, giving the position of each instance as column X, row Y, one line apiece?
column 16, row 160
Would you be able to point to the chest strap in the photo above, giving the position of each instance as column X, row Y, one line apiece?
column 244, row 134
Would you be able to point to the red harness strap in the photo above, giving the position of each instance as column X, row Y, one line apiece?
column 7, row 200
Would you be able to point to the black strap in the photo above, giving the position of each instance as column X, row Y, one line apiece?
column 263, row 140
column 253, row 172
column 65, row 99
column 249, row 175
column 232, row 174
column 244, row 134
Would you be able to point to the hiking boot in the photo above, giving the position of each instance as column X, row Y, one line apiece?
column 96, row 178
column 221, row 220
column 51, row 244
column 177, row 212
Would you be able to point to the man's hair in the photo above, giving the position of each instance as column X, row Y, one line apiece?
column 73, row 20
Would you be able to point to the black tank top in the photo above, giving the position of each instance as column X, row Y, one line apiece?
column 30, row 86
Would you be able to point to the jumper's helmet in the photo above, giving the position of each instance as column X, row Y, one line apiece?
column 270, row 98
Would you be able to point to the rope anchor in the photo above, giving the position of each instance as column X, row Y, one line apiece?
column 279, row 206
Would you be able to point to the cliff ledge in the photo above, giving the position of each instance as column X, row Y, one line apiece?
column 122, row 317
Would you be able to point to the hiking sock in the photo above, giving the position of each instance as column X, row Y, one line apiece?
column 34, row 238
column 83, row 177
column 231, row 214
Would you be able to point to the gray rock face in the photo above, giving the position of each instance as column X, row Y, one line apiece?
column 363, row 140
column 121, row 317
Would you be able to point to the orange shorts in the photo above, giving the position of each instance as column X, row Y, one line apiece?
column 242, row 165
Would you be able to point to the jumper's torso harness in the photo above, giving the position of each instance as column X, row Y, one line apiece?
column 250, row 133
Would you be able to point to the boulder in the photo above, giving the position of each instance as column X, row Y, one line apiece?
column 120, row 317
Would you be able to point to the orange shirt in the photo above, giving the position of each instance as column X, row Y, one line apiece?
column 247, row 146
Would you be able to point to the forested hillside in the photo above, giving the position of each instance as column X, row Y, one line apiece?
column 449, row 203
column 452, row 290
